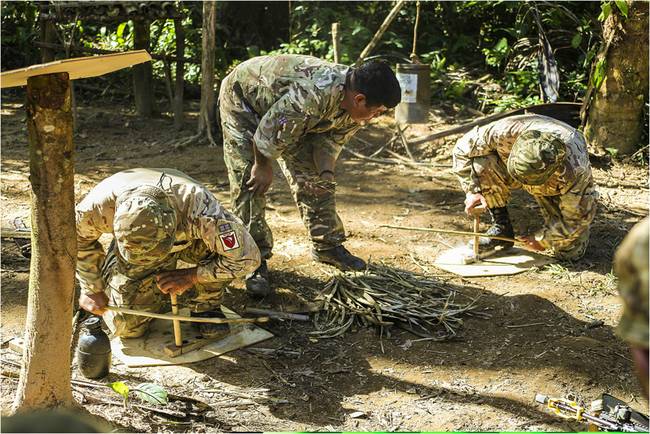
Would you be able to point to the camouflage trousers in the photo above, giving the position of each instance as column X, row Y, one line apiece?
column 134, row 287
column 314, row 197
column 567, row 217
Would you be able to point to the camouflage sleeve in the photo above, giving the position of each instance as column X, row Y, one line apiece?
column 235, row 252
column 475, row 143
column 287, row 120
column 631, row 268
column 332, row 142
column 90, row 254
column 569, row 217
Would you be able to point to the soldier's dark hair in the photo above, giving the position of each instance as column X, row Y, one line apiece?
column 378, row 83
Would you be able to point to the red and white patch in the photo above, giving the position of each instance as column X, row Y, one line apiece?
column 229, row 241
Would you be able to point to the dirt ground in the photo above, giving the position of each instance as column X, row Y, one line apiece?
column 484, row 380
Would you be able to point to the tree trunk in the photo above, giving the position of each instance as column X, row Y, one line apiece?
column 48, row 35
column 613, row 110
column 206, row 115
column 180, row 72
column 45, row 373
column 142, row 74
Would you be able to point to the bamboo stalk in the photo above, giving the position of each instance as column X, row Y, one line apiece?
column 446, row 231
column 380, row 32
column 336, row 42
column 187, row 318
column 276, row 314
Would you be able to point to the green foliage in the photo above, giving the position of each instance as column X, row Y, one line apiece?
column 121, row 38
column 19, row 31
column 495, row 56
column 462, row 41
column 607, row 7
column 600, row 71
column 622, row 7
column 309, row 42
column 147, row 392
column 605, row 10
column 151, row 393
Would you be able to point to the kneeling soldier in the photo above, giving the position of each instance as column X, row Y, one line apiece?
column 545, row 157
column 158, row 217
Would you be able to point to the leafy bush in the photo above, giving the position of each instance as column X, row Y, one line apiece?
column 464, row 42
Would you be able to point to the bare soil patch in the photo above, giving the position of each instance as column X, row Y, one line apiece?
column 484, row 380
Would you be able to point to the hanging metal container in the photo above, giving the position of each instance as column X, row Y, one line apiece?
column 415, row 81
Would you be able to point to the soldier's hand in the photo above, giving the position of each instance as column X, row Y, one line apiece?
column 94, row 303
column 261, row 178
column 176, row 281
column 472, row 200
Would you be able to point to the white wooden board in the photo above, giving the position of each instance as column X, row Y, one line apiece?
column 149, row 349
column 511, row 261
column 79, row 67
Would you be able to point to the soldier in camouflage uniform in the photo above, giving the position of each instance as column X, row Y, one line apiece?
column 157, row 218
column 545, row 157
column 298, row 110
column 631, row 268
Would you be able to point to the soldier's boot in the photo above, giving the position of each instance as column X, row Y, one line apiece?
column 501, row 226
column 210, row 330
column 339, row 257
column 257, row 283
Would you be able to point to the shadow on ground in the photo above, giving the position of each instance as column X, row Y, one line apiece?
column 538, row 337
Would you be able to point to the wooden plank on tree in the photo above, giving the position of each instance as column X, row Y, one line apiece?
column 81, row 67
column 90, row 50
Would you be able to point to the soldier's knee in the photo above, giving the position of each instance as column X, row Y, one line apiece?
column 130, row 333
column 123, row 328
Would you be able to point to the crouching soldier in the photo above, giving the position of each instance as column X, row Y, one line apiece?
column 301, row 111
column 545, row 157
column 158, row 217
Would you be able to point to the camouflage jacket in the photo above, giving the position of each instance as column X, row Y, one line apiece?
column 295, row 98
column 572, row 182
column 631, row 267
column 498, row 138
column 200, row 216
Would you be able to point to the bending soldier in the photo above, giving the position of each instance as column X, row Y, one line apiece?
column 545, row 157
column 158, row 217
column 299, row 110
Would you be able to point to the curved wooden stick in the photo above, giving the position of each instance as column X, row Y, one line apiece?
column 445, row 231
column 187, row 318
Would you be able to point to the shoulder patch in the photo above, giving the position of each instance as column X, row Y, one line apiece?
column 225, row 227
column 229, row 241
